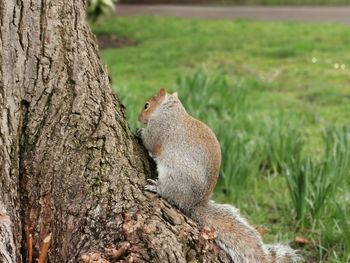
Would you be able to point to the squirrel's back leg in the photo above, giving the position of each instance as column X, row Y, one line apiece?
column 178, row 187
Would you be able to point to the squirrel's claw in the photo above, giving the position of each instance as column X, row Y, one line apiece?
column 151, row 186
column 153, row 182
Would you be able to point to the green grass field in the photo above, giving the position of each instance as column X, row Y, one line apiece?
column 278, row 97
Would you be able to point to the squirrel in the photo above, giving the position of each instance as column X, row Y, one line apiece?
column 188, row 156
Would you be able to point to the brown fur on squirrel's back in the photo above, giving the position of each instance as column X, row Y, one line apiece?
column 200, row 133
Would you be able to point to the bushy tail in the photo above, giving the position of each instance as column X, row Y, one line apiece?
column 280, row 253
column 240, row 240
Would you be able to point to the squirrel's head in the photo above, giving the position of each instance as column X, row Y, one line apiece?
column 152, row 104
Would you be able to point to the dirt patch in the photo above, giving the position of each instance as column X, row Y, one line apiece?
column 112, row 41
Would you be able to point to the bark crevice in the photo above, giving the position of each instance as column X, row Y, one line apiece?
column 21, row 192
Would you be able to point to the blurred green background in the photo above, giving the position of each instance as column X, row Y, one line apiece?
column 277, row 95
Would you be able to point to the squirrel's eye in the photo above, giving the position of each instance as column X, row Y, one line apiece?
column 146, row 106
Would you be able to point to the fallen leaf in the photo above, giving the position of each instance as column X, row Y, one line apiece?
column 301, row 240
column 262, row 231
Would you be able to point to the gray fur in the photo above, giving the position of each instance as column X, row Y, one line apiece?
column 174, row 183
column 183, row 179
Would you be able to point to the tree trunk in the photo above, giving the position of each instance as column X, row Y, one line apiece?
column 70, row 166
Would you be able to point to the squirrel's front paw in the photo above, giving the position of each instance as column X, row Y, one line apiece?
column 151, row 186
column 139, row 133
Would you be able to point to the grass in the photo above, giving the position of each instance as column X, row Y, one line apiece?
column 278, row 97
column 312, row 182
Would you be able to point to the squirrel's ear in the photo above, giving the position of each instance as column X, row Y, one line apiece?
column 175, row 95
column 161, row 92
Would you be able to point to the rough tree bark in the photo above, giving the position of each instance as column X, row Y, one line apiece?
column 69, row 164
